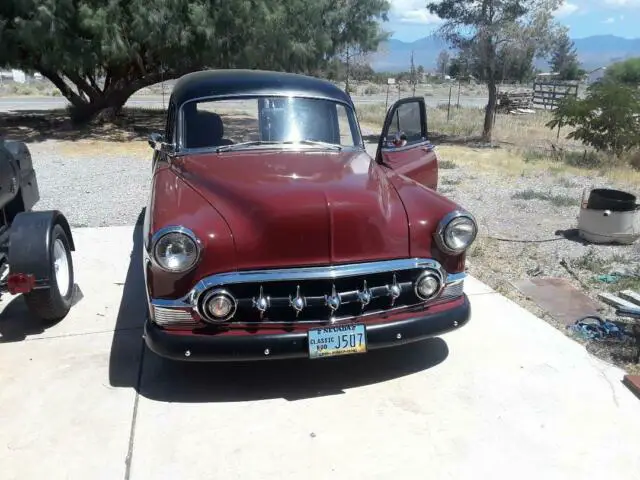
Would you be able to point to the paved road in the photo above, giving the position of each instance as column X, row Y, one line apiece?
column 507, row 396
column 155, row 101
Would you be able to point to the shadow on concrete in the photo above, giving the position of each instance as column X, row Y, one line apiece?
column 134, row 365
column 127, row 345
column 17, row 322
column 291, row 380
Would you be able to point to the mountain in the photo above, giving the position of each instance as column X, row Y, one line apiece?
column 594, row 51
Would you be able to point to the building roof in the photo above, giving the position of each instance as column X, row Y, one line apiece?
column 208, row 83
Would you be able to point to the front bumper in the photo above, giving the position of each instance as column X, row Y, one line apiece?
column 212, row 348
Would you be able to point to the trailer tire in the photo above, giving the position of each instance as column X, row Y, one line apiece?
column 53, row 303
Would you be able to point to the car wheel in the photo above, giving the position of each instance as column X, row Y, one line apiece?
column 54, row 303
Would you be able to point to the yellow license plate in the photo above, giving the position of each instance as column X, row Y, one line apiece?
column 340, row 340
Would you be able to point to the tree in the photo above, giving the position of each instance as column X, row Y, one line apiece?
column 443, row 62
column 564, row 59
column 626, row 72
column 487, row 27
column 608, row 118
column 413, row 74
column 99, row 53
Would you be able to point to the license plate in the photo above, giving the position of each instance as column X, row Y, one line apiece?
column 342, row 340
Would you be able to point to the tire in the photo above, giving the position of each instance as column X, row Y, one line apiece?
column 53, row 303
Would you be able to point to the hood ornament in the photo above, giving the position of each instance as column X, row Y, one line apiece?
column 394, row 290
column 298, row 302
column 364, row 296
column 262, row 303
column 333, row 300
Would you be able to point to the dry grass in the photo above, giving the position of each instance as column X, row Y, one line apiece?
column 513, row 163
column 528, row 131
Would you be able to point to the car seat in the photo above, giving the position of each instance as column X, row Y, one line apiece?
column 203, row 128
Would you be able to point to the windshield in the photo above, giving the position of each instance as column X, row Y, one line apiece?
column 265, row 122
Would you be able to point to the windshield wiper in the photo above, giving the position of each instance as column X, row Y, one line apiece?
column 318, row 143
column 226, row 148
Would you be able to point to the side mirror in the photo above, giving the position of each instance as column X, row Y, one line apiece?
column 156, row 141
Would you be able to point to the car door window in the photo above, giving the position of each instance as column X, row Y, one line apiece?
column 408, row 121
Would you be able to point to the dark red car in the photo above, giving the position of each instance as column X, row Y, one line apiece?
column 271, row 233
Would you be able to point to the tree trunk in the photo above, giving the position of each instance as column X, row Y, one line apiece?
column 103, row 109
column 487, row 130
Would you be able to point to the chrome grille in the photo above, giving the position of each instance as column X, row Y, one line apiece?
column 323, row 299
column 173, row 317
column 318, row 295
column 453, row 290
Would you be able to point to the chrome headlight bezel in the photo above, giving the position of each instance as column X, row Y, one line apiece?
column 446, row 222
column 179, row 230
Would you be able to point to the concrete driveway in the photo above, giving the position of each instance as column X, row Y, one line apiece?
column 506, row 396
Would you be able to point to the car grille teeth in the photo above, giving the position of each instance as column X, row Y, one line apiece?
column 298, row 303
column 285, row 301
column 333, row 300
column 364, row 296
column 261, row 303
column 394, row 290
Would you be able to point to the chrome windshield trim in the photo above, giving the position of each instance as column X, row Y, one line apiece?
column 304, row 273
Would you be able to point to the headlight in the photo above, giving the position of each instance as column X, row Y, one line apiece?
column 176, row 249
column 456, row 232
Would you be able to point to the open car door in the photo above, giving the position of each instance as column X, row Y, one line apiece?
column 403, row 144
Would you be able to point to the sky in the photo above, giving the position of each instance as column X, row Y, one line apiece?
column 410, row 20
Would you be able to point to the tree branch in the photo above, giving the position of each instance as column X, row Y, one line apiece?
column 82, row 84
column 75, row 99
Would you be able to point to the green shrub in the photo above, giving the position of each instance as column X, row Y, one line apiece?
column 608, row 119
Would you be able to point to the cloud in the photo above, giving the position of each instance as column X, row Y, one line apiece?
column 414, row 12
column 609, row 20
column 567, row 8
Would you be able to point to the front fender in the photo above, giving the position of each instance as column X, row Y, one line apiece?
column 173, row 202
column 425, row 208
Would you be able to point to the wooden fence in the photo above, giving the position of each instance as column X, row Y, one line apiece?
column 547, row 93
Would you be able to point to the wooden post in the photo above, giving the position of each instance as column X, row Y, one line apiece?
column 449, row 104
column 386, row 103
column 458, row 103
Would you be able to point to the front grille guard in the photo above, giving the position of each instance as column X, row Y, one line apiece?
column 187, row 311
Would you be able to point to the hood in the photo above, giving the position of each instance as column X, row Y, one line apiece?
column 302, row 208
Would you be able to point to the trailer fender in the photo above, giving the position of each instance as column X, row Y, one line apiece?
column 30, row 243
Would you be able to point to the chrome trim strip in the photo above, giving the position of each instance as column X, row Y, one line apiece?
column 438, row 235
column 174, row 229
column 316, row 273
column 408, row 146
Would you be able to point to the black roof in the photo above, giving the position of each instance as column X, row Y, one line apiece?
column 207, row 83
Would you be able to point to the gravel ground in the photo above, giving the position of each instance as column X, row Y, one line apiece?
column 500, row 215
column 500, row 263
column 91, row 191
